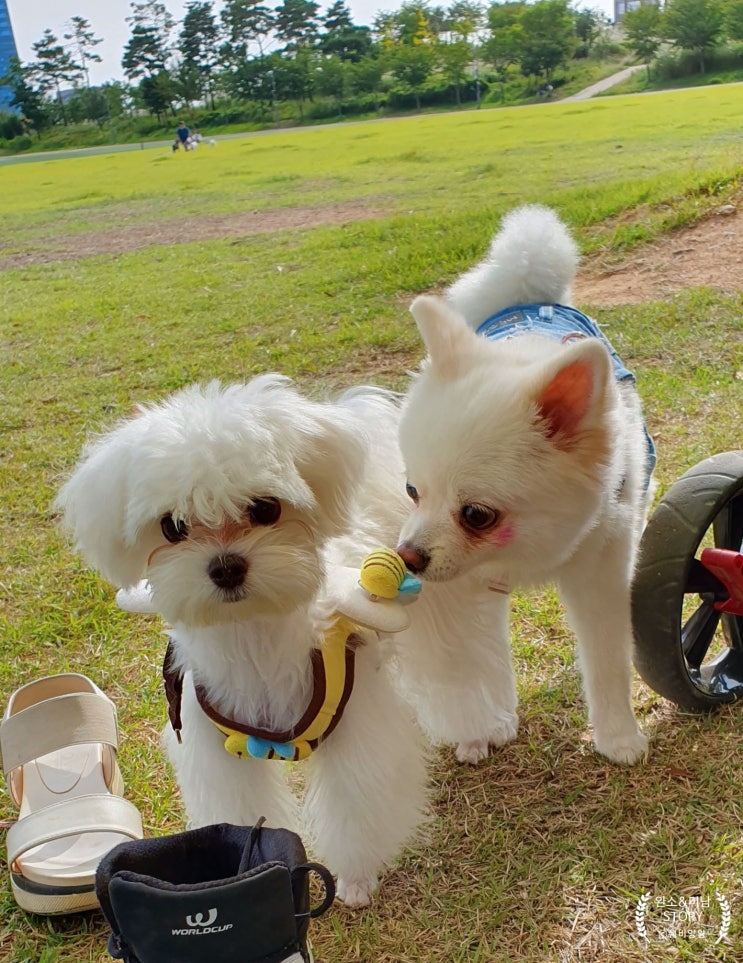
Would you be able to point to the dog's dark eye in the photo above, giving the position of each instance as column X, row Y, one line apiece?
column 264, row 511
column 479, row 517
column 412, row 492
column 175, row 530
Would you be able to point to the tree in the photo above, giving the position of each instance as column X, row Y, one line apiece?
column 255, row 80
column 455, row 59
column 694, row 25
column 548, row 38
column 118, row 98
column 25, row 96
column 437, row 19
column 412, row 65
column 157, row 92
column 188, row 83
column 413, row 25
column 82, row 43
column 365, row 76
column 144, row 55
column 147, row 50
column 297, row 24
column 90, row 103
column 642, row 28
column 503, row 47
column 332, row 79
column 245, row 22
column 733, row 17
column 199, row 47
column 342, row 37
column 465, row 18
column 11, row 125
column 154, row 15
column 290, row 78
column 588, row 27
column 337, row 17
column 53, row 67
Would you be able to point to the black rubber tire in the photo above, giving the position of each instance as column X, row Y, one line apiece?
column 709, row 495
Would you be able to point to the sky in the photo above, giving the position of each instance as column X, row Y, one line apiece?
column 107, row 19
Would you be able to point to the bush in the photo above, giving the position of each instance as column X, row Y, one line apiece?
column 11, row 125
column 437, row 93
column 682, row 65
column 17, row 145
column 353, row 106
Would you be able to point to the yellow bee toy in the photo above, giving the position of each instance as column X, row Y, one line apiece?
column 383, row 575
column 378, row 594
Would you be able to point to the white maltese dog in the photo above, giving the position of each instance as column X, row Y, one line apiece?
column 238, row 504
column 527, row 461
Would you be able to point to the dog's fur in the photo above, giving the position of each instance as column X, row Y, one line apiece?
column 548, row 450
column 203, row 457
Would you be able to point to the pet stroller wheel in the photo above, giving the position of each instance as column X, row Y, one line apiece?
column 685, row 647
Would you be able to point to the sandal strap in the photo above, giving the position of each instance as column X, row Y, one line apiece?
column 97, row 813
column 56, row 723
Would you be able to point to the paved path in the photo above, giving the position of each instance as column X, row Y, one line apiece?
column 604, row 84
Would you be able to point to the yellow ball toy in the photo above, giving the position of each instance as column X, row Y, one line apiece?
column 382, row 573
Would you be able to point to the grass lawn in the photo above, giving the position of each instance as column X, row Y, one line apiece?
column 543, row 853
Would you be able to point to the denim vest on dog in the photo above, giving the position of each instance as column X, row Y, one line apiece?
column 562, row 323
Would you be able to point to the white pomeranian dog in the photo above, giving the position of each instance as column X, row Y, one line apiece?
column 527, row 461
column 239, row 505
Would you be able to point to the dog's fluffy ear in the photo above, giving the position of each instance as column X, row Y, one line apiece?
column 571, row 395
column 332, row 464
column 446, row 335
column 93, row 503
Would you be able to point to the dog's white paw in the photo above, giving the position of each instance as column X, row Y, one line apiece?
column 626, row 750
column 355, row 893
column 505, row 730
column 473, row 752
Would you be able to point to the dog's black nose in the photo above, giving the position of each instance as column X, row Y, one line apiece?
column 227, row 571
column 416, row 560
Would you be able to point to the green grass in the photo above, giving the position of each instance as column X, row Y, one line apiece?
column 640, row 82
column 490, row 159
column 236, row 118
column 542, row 853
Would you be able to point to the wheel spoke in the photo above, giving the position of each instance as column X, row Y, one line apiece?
column 728, row 525
column 698, row 632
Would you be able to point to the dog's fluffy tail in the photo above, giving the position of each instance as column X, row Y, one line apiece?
column 532, row 259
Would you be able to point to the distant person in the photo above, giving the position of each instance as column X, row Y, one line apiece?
column 196, row 139
column 183, row 134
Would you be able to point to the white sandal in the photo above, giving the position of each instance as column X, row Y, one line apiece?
column 58, row 744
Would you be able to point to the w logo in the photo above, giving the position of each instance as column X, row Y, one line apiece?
column 198, row 919
column 198, row 926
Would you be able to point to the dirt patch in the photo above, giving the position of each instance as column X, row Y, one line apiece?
column 167, row 231
column 706, row 254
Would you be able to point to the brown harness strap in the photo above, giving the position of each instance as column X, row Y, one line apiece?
column 173, row 679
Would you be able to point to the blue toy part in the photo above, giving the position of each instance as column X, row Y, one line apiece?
column 261, row 748
column 410, row 585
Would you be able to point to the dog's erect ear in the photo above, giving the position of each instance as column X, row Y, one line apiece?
column 573, row 391
column 93, row 503
column 446, row 335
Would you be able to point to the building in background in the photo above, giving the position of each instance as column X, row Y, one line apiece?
column 624, row 6
column 8, row 49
